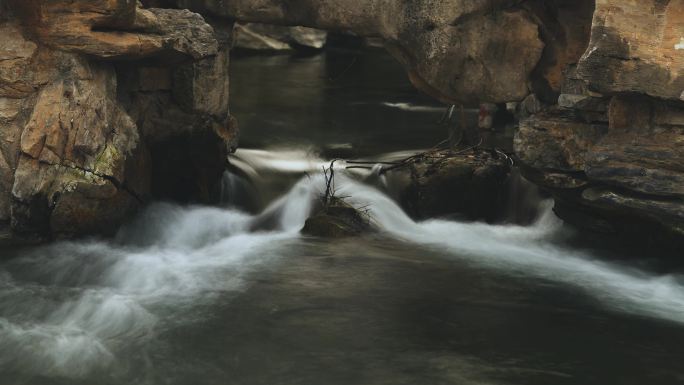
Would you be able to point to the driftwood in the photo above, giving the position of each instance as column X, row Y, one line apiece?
column 329, row 174
column 336, row 218
column 444, row 149
column 438, row 151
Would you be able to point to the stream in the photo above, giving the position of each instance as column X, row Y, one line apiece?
column 234, row 294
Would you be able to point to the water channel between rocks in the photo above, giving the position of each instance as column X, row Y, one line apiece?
column 235, row 295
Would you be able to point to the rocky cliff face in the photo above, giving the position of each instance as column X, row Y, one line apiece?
column 104, row 103
column 612, row 150
column 606, row 139
column 455, row 50
column 80, row 129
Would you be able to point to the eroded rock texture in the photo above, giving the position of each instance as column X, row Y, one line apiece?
column 604, row 78
column 455, row 50
column 612, row 150
column 470, row 185
column 104, row 103
column 636, row 47
column 77, row 153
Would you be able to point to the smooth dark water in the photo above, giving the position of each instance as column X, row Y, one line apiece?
column 210, row 295
column 334, row 100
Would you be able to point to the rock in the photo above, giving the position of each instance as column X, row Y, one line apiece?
column 16, row 53
column 565, row 28
column 187, row 126
column 456, row 51
column 337, row 220
column 634, row 219
column 248, row 39
column 668, row 213
column 75, row 158
column 612, row 155
column 76, row 139
column 556, row 140
column 530, row 106
column 644, row 151
column 438, row 52
column 633, row 48
column 583, row 103
column 308, row 37
column 76, row 125
column 589, row 106
column 622, row 177
column 639, row 149
column 470, row 184
column 117, row 29
column 264, row 37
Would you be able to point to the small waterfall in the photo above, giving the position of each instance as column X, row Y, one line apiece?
column 524, row 199
column 529, row 251
column 289, row 213
column 261, row 177
column 71, row 308
column 238, row 192
column 116, row 295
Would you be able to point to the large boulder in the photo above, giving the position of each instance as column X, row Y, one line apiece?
column 76, row 159
column 457, row 51
column 338, row 219
column 636, row 47
column 621, row 176
column 116, row 29
column 468, row 184
column 612, row 152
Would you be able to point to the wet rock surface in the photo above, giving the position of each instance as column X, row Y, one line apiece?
column 470, row 184
column 97, row 96
column 611, row 152
column 634, row 48
column 498, row 44
column 75, row 150
column 338, row 219
column 584, row 59
column 623, row 176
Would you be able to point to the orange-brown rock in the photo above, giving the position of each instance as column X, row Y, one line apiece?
column 644, row 148
column 636, row 46
column 73, row 158
column 457, row 51
column 625, row 175
column 557, row 140
column 117, row 28
column 620, row 134
column 103, row 102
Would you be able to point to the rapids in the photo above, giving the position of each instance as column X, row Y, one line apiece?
column 75, row 309
column 187, row 295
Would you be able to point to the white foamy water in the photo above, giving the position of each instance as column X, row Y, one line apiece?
column 68, row 308
column 413, row 107
column 527, row 251
column 71, row 308
column 283, row 161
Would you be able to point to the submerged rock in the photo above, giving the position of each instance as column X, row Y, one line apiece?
column 337, row 219
column 470, row 184
column 85, row 138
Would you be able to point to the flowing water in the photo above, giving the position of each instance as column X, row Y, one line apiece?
column 235, row 295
